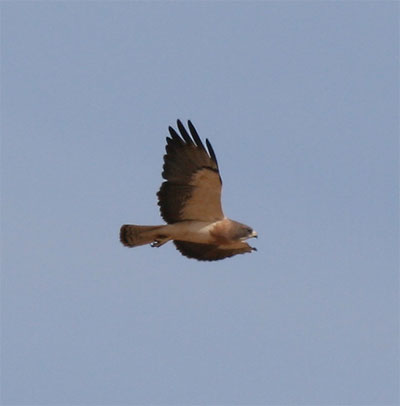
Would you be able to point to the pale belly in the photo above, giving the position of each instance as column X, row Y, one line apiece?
column 193, row 231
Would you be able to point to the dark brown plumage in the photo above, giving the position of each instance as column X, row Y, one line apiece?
column 186, row 195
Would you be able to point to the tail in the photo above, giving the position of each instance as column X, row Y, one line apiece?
column 133, row 236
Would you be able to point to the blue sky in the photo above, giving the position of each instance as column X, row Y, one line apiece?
column 300, row 101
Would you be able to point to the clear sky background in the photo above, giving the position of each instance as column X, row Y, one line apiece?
column 300, row 101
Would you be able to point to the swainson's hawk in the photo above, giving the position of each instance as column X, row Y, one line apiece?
column 190, row 203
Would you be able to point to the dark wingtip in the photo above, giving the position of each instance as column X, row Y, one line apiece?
column 192, row 139
column 184, row 134
column 195, row 136
column 174, row 135
column 211, row 151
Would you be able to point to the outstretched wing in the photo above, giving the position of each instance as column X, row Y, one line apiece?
column 192, row 190
column 210, row 252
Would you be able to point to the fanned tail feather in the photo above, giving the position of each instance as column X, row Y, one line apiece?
column 132, row 235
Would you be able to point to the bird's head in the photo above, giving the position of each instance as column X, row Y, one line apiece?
column 249, row 233
column 244, row 232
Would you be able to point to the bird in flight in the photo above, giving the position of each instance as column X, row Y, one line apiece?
column 190, row 203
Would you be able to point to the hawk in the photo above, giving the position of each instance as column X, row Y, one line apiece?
column 190, row 203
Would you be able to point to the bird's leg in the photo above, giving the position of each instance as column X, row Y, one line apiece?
column 159, row 241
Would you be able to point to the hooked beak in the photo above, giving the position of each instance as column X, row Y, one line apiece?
column 253, row 234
